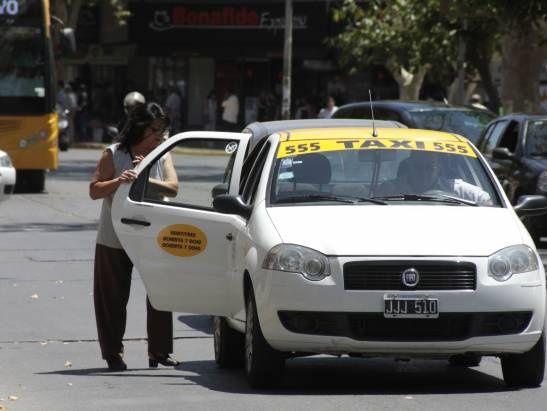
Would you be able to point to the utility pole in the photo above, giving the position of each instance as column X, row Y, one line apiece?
column 287, row 62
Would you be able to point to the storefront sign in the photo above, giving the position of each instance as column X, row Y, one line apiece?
column 216, row 25
column 227, row 17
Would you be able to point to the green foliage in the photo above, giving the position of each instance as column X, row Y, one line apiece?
column 409, row 33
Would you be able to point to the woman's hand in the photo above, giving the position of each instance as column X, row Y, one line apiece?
column 127, row 176
column 138, row 158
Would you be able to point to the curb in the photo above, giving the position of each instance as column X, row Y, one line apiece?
column 89, row 145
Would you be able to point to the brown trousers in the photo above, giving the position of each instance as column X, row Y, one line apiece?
column 111, row 286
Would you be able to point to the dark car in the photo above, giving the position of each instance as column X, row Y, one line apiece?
column 516, row 147
column 466, row 121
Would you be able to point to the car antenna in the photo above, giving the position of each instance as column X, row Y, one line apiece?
column 374, row 133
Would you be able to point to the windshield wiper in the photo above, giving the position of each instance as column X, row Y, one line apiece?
column 441, row 198
column 327, row 197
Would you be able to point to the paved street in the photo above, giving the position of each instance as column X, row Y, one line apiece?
column 50, row 360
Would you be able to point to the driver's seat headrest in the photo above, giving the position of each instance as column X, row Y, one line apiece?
column 311, row 169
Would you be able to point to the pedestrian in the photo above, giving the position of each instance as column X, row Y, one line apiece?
column 82, row 113
column 112, row 269
column 329, row 110
column 210, row 111
column 130, row 101
column 230, row 111
column 173, row 105
column 475, row 101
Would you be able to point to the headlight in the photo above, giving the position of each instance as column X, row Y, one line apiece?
column 5, row 161
column 297, row 259
column 542, row 182
column 512, row 260
column 63, row 123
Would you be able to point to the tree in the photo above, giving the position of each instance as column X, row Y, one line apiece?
column 410, row 37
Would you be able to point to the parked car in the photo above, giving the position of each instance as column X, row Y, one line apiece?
column 7, row 175
column 323, row 245
column 516, row 147
column 465, row 121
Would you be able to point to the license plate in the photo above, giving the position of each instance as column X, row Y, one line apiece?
column 398, row 306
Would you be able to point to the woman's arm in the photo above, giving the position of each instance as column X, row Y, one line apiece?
column 103, row 182
column 169, row 187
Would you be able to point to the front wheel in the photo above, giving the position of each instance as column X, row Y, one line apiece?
column 263, row 365
column 229, row 344
column 526, row 369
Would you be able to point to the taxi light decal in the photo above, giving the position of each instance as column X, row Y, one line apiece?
column 182, row 240
column 294, row 147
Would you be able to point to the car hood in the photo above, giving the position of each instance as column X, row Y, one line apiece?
column 398, row 229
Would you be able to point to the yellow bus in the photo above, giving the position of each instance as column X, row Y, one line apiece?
column 28, row 121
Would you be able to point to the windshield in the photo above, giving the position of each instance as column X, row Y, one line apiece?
column 22, row 62
column 536, row 138
column 393, row 171
column 467, row 123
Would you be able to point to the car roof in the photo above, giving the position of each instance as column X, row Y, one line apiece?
column 366, row 132
column 260, row 130
column 409, row 105
column 523, row 116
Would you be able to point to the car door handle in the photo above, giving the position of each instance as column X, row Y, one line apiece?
column 229, row 237
column 132, row 221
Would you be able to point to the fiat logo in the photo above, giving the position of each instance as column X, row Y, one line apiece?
column 410, row 277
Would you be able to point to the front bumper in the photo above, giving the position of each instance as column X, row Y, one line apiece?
column 502, row 317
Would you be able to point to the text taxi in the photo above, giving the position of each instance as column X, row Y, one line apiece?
column 387, row 242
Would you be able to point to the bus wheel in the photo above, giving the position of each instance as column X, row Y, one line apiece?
column 30, row 181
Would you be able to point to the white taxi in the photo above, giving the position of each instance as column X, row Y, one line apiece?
column 7, row 176
column 360, row 241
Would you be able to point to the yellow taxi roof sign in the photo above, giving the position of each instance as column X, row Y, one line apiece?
column 301, row 142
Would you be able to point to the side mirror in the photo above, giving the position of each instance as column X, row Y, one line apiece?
column 68, row 41
column 219, row 189
column 529, row 206
column 503, row 153
column 227, row 204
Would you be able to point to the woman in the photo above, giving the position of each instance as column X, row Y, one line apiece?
column 142, row 133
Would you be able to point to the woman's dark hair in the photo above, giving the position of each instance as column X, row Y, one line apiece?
column 138, row 119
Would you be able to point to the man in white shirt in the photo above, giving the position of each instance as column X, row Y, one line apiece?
column 328, row 111
column 230, row 112
column 172, row 107
column 421, row 174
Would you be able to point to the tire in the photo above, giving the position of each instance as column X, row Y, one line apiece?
column 526, row 369
column 30, row 181
column 263, row 365
column 229, row 344
column 465, row 360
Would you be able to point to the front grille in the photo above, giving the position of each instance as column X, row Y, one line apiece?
column 386, row 275
column 375, row 327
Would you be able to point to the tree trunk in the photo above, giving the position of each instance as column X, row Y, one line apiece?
column 522, row 62
column 409, row 83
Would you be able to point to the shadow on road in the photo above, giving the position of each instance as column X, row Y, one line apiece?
column 327, row 376
column 203, row 323
column 47, row 227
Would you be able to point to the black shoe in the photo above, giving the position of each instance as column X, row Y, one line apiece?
column 116, row 364
column 163, row 359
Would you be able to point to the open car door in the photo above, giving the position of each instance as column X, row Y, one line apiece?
column 175, row 239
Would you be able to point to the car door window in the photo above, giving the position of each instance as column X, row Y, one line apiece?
column 249, row 191
column 200, row 169
column 494, row 137
column 510, row 137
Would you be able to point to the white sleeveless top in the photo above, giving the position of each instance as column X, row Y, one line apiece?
column 122, row 161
